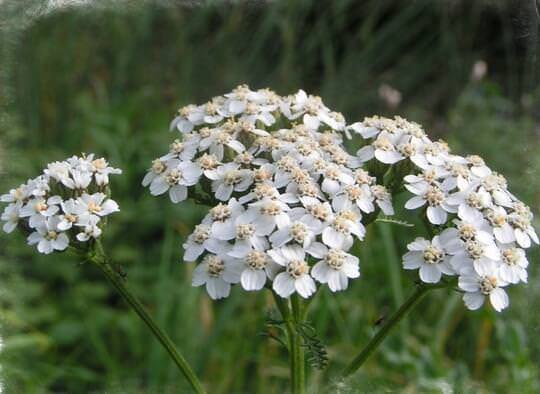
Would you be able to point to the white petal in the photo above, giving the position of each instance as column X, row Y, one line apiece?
column 437, row 215
column 283, row 284
column 430, row 273
column 415, row 202
column 337, row 281
column 305, row 286
column 498, row 299
column 253, row 280
column 217, row 288
column 473, row 300
column 321, row 272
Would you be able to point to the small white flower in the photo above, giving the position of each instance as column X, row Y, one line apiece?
column 102, row 170
column 430, row 257
column 513, row 267
column 48, row 237
column 336, row 268
column 296, row 277
column 95, row 205
column 71, row 211
column 383, row 199
column 383, row 149
column 37, row 209
column 266, row 215
column 175, row 179
column 523, row 230
column 478, row 286
column 436, row 199
column 338, row 234
column 90, row 229
column 16, row 195
column 217, row 274
column 470, row 203
column 258, row 267
column 297, row 231
column 11, row 216
column 200, row 240
column 217, row 141
column 223, row 218
column 354, row 196
column 247, row 240
column 229, row 178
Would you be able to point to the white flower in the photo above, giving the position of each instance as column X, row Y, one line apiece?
column 217, row 274
column 383, row 149
column 296, row 277
column 470, row 203
column 297, row 231
column 11, row 216
column 352, row 196
column 523, row 230
column 383, row 199
column 222, row 219
column 187, row 118
column 336, row 268
column 258, row 267
column 266, row 215
column 502, row 230
column 95, row 205
column 247, row 240
column 216, row 142
column 72, row 210
column 429, row 257
column 477, row 253
column 513, row 267
column 48, row 237
column 228, row 178
column 60, row 171
column 80, row 179
column 338, row 234
column 435, row 197
column 37, row 209
column 333, row 179
column 16, row 195
column 199, row 241
column 478, row 286
column 175, row 179
column 102, row 170
column 90, row 229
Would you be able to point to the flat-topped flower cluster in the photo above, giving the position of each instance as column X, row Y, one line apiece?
column 288, row 201
column 65, row 204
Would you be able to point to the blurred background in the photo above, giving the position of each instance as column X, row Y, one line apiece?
column 81, row 76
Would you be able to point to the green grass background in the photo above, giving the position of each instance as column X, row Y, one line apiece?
column 108, row 78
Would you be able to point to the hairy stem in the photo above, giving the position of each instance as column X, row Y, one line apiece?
column 101, row 261
column 293, row 316
column 406, row 307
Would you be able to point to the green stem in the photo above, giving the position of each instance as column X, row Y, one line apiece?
column 406, row 307
column 102, row 263
column 292, row 316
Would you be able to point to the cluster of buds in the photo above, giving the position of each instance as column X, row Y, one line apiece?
column 288, row 201
column 481, row 228
column 64, row 205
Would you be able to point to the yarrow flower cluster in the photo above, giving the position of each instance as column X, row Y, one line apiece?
column 482, row 228
column 288, row 201
column 65, row 204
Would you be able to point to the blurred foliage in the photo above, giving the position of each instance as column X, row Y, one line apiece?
column 108, row 78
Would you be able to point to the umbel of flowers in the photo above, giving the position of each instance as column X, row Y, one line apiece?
column 287, row 200
column 64, row 206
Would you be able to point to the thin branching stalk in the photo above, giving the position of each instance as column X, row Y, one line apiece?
column 406, row 307
column 101, row 261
